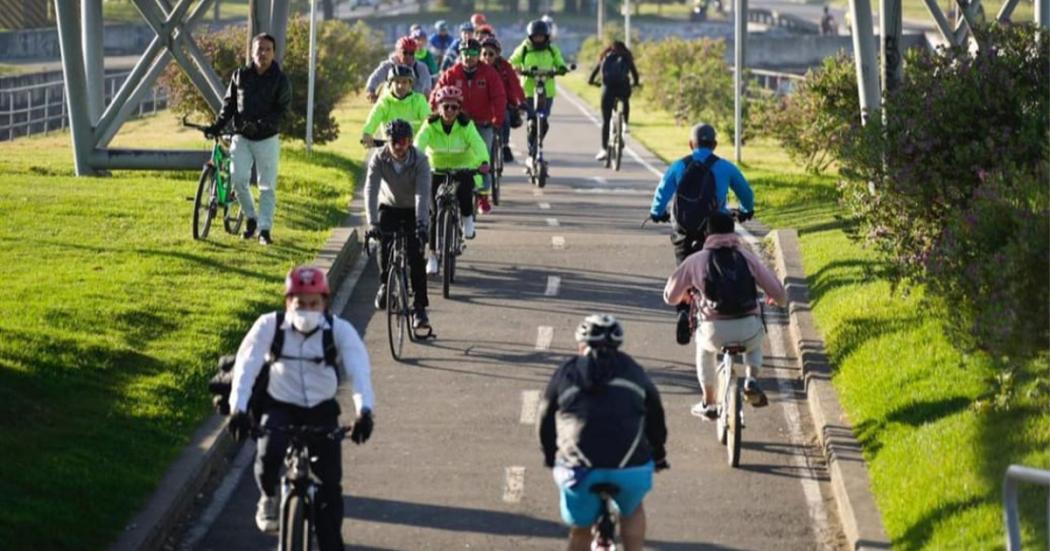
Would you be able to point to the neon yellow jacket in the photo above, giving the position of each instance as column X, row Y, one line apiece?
column 526, row 57
column 461, row 147
column 412, row 108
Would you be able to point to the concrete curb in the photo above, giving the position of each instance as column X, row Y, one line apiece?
column 211, row 449
column 850, row 483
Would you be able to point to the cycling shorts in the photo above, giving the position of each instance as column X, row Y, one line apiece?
column 580, row 507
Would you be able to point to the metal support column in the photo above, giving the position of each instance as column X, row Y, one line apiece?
column 864, row 58
column 279, row 26
column 310, row 81
column 601, row 18
column 739, row 40
column 94, row 63
column 75, row 84
column 627, row 22
column 890, row 30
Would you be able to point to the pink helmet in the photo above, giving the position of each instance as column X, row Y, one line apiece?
column 306, row 279
column 406, row 44
column 447, row 94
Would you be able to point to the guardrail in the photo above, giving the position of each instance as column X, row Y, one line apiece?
column 1014, row 475
column 790, row 22
column 41, row 108
column 780, row 83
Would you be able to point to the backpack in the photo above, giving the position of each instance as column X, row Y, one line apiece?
column 729, row 286
column 615, row 70
column 696, row 197
column 222, row 383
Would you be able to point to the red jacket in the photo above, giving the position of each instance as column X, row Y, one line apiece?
column 511, row 84
column 484, row 99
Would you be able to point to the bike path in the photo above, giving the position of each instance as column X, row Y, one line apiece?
column 454, row 462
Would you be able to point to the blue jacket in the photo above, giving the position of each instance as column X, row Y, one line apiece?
column 451, row 55
column 727, row 176
column 439, row 42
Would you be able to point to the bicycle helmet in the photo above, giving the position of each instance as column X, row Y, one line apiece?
column 400, row 71
column 600, row 331
column 406, row 44
column 447, row 94
column 306, row 279
column 467, row 27
column 492, row 42
column 478, row 19
column 536, row 27
column 485, row 29
column 441, row 26
column 470, row 44
column 398, row 129
column 418, row 33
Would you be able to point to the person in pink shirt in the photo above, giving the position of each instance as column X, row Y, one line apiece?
column 722, row 277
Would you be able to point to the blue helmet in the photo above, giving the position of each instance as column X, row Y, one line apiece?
column 466, row 27
column 441, row 26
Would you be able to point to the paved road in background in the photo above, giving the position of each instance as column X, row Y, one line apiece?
column 454, row 462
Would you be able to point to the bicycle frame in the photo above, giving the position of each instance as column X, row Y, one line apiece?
column 298, row 484
column 608, row 516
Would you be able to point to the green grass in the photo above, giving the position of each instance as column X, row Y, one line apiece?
column 112, row 318
column 936, row 455
column 8, row 69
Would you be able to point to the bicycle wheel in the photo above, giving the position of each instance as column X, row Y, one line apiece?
column 610, row 143
column 497, row 168
column 448, row 251
column 735, row 421
column 232, row 215
column 406, row 303
column 541, row 180
column 617, row 152
column 722, row 426
column 204, row 203
column 295, row 530
column 396, row 322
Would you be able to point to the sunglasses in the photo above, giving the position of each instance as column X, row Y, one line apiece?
column 450, row 107
column 470, row 53
column 488, row 53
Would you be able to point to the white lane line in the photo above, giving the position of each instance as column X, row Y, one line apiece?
column 530, row 403
column 558, row 242
column 544, row 336
column 553, row 282
column 552, row 222
column 244, row 459
column 600, row 180
column 537, row 192
column 611, row 191
column 514, row 484
column 545, row 206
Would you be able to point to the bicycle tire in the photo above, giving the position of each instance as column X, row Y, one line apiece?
column 406, row 310
column 541, row 180
column 610, row 147
column 232, row 215
column 736, row 424
column 203, row 203
column 618, row 148
column 295, row 530
column 395, row 311
column 722, row 425
column 448, row 252
column 497, row 168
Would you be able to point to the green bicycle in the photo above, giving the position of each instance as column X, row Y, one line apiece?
column 215, row 189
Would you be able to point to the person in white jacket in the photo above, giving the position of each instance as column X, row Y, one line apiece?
column 404, row 54
column 303, row 347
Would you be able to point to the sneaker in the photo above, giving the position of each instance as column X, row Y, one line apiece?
column 529, row 163
column 249, row 229
column 602, row 155
column 432, row 265
column 508, row 156
column 266, row 514
column 468, row 227
column 264, row 237
column 753, row 394
column 420, row 319
column 682, row 332
column 707, row 412
column 380, row 301
column 484, row 206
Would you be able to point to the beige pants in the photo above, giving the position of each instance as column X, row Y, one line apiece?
column 711, row 336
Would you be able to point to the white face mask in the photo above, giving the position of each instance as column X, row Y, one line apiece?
column 305, row 321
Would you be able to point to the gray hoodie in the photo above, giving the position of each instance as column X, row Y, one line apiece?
column 378, row 77
column 409, row 188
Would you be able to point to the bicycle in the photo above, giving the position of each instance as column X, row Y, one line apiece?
column 215, row 189
column 496, row 154
column 538, row 173
column 398, row 295
column 449, row 237
column 608, row 516
column 614, row 147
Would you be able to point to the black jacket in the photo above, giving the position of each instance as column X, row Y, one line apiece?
column 608, row 57
column 602, row 412
column 256, row 102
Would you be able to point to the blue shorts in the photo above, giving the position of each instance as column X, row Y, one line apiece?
column 580, row 507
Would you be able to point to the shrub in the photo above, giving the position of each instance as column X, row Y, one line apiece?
column 690, row 78
column 337, row 72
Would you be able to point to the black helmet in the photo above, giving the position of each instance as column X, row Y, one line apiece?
column 398, row 129
column 538, row 26
column 600, row 331
column 401, row 71
column 470, row 44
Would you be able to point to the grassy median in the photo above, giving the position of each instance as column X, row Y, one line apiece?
column 935, row 447
column 112, row 316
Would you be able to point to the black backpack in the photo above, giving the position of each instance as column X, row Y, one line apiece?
column 696, row 197
column 222, row 383
column 729, row 286
column 615, row 70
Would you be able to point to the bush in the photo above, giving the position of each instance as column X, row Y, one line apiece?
column 690, row 78
column 337, row 73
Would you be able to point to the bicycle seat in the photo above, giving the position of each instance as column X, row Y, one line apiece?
column 734, row 348
column 605, row 488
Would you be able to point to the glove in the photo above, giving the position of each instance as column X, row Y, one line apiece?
column 373, row 232
column 562, row 70
column 249, row 128
column 363, row 427
column 484, row 168
column 421, row 232
column 212, row 131
column 659, row 218
column 372, row 97
column 661, row 464
column 221, row 404
column 745, row 216
column 240, row 426
column 515, row 118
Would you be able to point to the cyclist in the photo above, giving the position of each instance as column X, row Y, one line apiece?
column 440, row 40
column 257, row 98
column 451, row 142
column 616, row 65
column 691, row 173
column 602, row 421
column 490, row 53
column 724, row 274
column 397, row 196
column 484, row 101
column 423, row 53
column 401, row 103
column 404, row 54
column 466, row 32
column 301, row 390
column 483, row 31
column 478, row 19
column 538, row 51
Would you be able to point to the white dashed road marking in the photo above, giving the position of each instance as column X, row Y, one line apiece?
column 558, row 242
column 544, row 336
column 552, row 286
column 552, row 222
column 545, row 206
column 514, row 484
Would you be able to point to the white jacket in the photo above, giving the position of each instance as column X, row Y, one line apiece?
column 303, row 382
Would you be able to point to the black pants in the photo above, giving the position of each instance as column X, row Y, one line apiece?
column 390, row 220
column 464, row 195
column 609, row 97
column 684, row 246
column 542, row 113
column 328, row 468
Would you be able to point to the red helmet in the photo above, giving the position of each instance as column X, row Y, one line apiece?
column 406, row 44
column 478, row 19
column 447, row 94
column 306, row 279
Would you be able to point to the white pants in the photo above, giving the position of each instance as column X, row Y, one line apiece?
column 265, row 154
column 711, row 336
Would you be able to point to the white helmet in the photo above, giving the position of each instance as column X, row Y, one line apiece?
column 600, row 331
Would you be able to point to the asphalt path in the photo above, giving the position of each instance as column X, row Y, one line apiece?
column 454, row 462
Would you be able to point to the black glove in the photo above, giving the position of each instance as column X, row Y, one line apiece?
column 661, row 464
column 373, row 232
column 515, row 118
column 212, row 131
column 240, row 426
column 363, row 427
column 745, row 216
column 249, row 128
column 421, row 232
column 665, row 217
column 221, row 404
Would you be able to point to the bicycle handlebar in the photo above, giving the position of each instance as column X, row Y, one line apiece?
column 456, row 172
column 202, row 127
column 734, row 212
column 375, row 143
column 544, row 73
